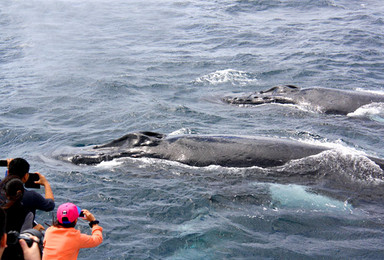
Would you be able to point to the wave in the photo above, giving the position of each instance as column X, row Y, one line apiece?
column 260, row 5
column 336, row 165
column 235, row 77
column 373, row 111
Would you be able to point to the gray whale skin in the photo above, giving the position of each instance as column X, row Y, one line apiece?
column 325, row 100
column 201, row 150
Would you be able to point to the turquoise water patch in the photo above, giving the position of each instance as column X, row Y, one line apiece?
column 297, row 196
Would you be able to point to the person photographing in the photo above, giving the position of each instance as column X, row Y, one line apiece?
column 63, row 241
column 31, row 252
column 32, row 200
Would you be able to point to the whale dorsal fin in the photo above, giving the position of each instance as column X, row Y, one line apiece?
column 281, row 89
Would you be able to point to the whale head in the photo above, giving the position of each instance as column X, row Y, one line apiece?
column 277, row 94
column 130, row 145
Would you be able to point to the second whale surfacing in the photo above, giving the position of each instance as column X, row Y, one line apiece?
column 325, row 100
column 204, row 150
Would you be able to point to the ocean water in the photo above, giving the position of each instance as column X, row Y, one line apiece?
column 80, row 73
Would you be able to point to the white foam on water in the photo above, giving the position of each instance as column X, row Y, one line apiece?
column 374, row 111
column 109, row 164
column 337, row 145
column 236, row 77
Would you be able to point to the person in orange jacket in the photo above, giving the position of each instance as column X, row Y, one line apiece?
column 63, row 241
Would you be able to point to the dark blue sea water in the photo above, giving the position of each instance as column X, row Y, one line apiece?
column 79, row 73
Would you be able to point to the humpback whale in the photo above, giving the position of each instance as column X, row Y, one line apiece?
column 204, row 150
column 325, row 100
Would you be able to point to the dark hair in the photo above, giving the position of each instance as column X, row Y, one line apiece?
column 18, row 167
column 13, row 189
column 69, row 225
column 2, row 222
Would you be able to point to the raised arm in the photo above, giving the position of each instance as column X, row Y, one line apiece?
column 48, row 190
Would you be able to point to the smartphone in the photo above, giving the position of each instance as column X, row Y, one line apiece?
column 3, row 163
column 31, row 181
column 81, row 215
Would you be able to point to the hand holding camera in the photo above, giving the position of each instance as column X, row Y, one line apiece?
column 30, row 252
column 32, row 179
column 29, row 236
column 85, row 214
column 35, row 180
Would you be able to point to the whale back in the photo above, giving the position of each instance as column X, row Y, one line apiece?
column 232, row 151
column 324, row 100
column 195, row 150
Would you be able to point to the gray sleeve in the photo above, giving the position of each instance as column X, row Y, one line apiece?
column 28, row 222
